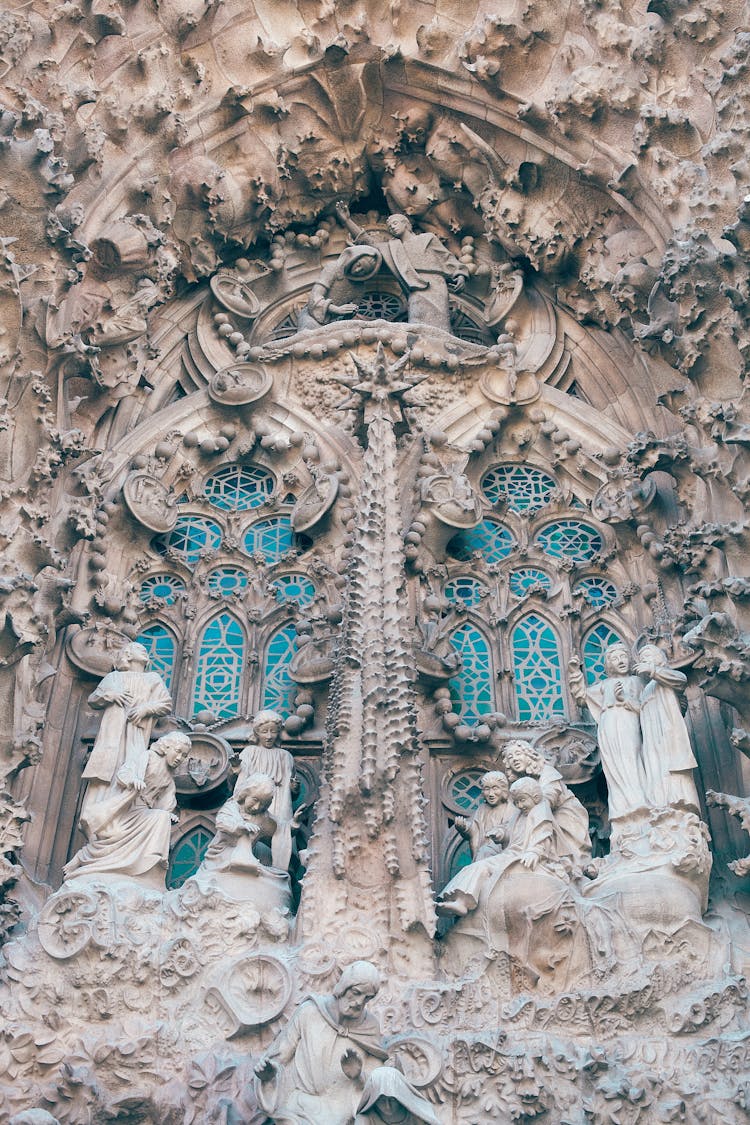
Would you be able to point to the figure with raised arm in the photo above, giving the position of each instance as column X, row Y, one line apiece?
column 668, row 760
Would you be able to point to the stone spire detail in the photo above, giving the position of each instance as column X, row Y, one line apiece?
column 372, row 777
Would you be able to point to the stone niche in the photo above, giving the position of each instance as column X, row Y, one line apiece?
column 373, row 646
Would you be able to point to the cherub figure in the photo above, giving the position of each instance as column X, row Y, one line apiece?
column 489, row 827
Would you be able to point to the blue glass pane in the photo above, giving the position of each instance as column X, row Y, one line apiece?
column 161, row 648
column 537, row 670
column 273, row 538
column 570, row 539
column 596, row 591
column 493, row 540
column 188, row 856
column 279, row 688
column 464, row 589
column 465, row 790
column 191, row 537
column 528, row 578
column 219, row 670
column 595, row 645
column 164, row 586
column 471, row 689
column 235, row 488
column 525, row 489
column 294, row 588
column 461, row 858
column 227, row 580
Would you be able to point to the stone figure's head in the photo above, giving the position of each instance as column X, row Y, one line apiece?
column 133, row 655
column 494, row 787
column 363, row 263
column 256, row 793
column 520, row 756
column 173, row 747
column 356, row 986
column 267, row 727
column 398, row 225
column 525, row 793
column 33, row 1117
column 652, row 654
column 617, row 660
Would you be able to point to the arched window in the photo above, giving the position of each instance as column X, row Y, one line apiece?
column 293, row 588
column 529, row 579
column 187, row 856
column 162, row 648
column 219, row 671
column 190, row 538
column 236, row 488
column 596, row 591
column 465, row 791
column 537, row 670
column 595, row 644
column 464, row 589
column 493, row 540
column 164, row 587
column 273, row 538
column 227, row 580
column 570, row 539
column 379, row 305
column 278, row 686
column 471, row 689
column 525, row 488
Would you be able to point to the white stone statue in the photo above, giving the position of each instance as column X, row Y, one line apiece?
column 315, row 1070
column 340, row 278
column 264, row 756
column 131, row 698
column 389, row 1098
column 129, row 830
column 489, row 827
column 668, row 760
column 615, row 704
column 231, row 862
column 521, row 759
column 422, row 265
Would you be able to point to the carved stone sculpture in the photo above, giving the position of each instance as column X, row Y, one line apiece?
column 421, row 264
column 316, row 1069
column 131, row 698
column 388, row 1098
column 341, row 278
column 615, row 703
column 231, row 862
column 521, row 759
column 265, row 757
column 129, row 828
column 668, row 759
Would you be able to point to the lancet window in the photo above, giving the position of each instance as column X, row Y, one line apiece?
column 162, row 650
column 278, row 687
column 472, row 688
column 219, row 670
column 537, row 670
column 187, row 855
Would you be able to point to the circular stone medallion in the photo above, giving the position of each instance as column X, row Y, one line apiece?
column 240, row 384
column 205, row 766
column 234, row 294
column 150, row 502
column 314, row 502
column 259, row 988
column 94, row 650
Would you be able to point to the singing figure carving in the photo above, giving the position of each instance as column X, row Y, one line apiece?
column 339, row 280
column 615, row 704
column 668, row 760
column 521, row 759
column 129, row 829
column 264, row 756
column 131, row 698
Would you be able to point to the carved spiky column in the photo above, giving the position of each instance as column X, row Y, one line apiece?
column 368, row 861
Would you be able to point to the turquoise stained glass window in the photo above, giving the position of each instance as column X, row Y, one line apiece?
column 294, row 588
column 227, row 580
column 528, row 578
column 278, row 686
column 596, row 591
column 190, row 538
column 236, row 488
column 537, row 670
column 461, row 858
column 526, row 489
column 187, row 856
column 273, row 538
column 465, row 791
column 493, row 540
column 165, row 586
column 471, row 689
column 219, row 670
column 595, row 644
column 161, row 647
column 464, row 589
column 570, row 539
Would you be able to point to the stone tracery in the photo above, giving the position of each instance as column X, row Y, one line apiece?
column 406, row 577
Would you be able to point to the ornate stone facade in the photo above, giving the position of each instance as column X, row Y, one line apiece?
column 374, row 652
